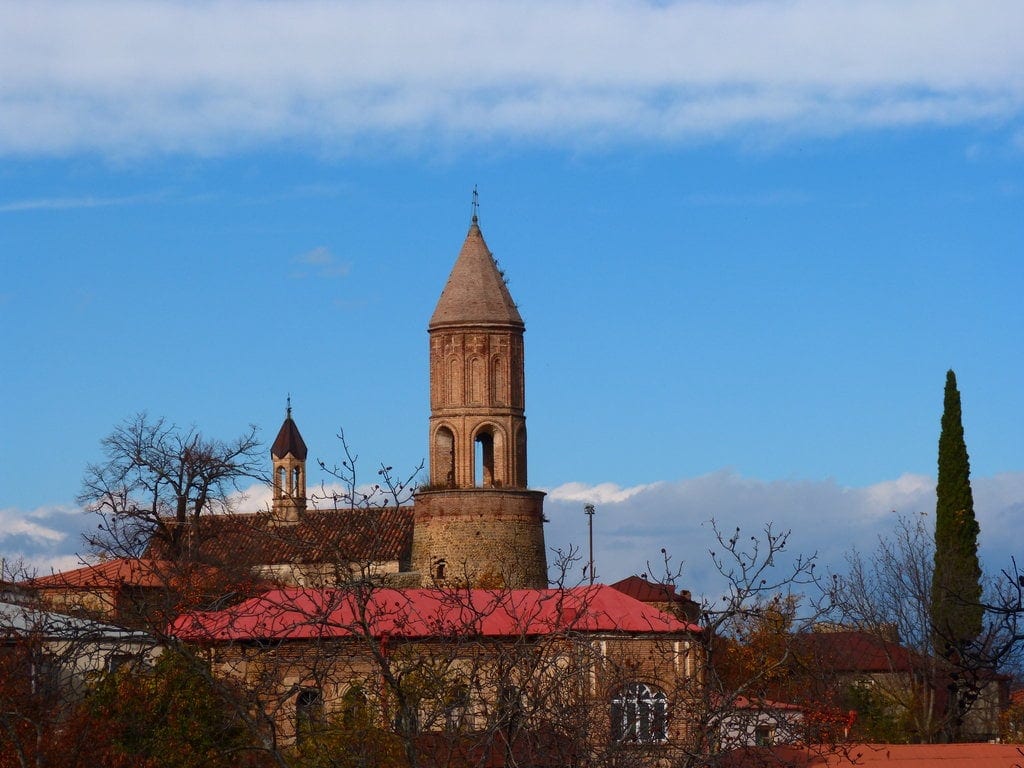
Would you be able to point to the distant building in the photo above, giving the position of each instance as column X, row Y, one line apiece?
column 55, row 655
column 907, row 686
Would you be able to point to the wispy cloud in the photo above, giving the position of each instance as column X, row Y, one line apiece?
column 632, row 525
column 160, row 75
column 66, row 203
column 319, row 262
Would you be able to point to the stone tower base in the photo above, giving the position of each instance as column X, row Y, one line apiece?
column 483, row 537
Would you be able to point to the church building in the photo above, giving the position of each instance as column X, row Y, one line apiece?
column 474, row 523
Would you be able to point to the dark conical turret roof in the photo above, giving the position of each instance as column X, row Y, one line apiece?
column 475, row 293
column 289, row 440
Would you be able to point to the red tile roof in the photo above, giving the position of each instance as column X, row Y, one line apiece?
column 475, row 293
column 116, row 573
column 854, row 651
column 883, row 755
column 425, row 613
column 381, row 534
column 646, row 591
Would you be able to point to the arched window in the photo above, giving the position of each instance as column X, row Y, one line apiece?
column 483, row 469
column 639, row 713
column 444, row 458
column 457, row 709
column 279, row 489
column 355, row 707
column 309, row 712
column 439, row 570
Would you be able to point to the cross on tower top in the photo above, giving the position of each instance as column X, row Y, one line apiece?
column 476, row 203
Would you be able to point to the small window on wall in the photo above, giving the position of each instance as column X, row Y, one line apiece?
column 354, row 707
column 639, row 713
column 439, row 570
column 309, row 712
column 46, row 674
column 116, row 661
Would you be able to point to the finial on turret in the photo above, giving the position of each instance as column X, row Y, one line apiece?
column 289, row 409
column 476, row 204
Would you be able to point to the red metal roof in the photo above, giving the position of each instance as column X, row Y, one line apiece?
column 296, row 613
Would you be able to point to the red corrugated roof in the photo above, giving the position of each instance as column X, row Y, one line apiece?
column 296, row 613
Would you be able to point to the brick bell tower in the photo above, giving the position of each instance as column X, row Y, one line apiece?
column 476, row 522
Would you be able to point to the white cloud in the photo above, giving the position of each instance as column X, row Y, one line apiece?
column 320, row 262
column 32, row 525
column 66, row 203
column 825, row 518
column 183, row 76
column 604, row 493
column 41, row 539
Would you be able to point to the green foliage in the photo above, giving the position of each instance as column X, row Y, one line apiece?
column 956, row 613
column 350, row 738
column 878, row 718
column 167, row 716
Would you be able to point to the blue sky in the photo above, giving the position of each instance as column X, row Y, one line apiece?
column 748, row 240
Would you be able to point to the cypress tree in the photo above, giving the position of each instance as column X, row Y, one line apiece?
column 956, row 613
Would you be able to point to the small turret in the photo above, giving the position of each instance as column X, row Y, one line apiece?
column 288, row 454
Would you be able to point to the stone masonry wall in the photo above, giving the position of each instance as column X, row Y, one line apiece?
column 488, row 537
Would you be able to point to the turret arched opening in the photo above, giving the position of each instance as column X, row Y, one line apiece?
column 489, row 457
column 442, row 460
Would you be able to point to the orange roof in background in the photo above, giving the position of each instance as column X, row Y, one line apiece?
column 296, row 613
column 129, row 571
column 884, row 756
column 119, row 572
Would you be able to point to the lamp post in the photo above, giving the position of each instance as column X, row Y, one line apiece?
column 588, row 510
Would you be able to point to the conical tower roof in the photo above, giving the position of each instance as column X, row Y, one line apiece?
column 475, row 293
column 289, row 440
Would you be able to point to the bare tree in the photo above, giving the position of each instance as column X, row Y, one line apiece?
column 156, row 479
column 929, row 696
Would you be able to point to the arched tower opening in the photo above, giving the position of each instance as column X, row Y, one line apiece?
column 489, row 465
column 442, row 455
